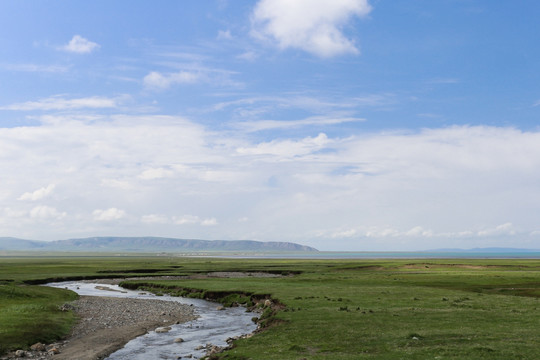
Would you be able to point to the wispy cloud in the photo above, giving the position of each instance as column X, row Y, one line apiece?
column 189, row 74
column 80, row 45
column 314, row 26
column 61, row 103
column 224, row 35
column 160, row 81
column 263, row 104
column 287, row 148
column 248, row 56
column 444, row 81
column 252, row 126
column 35, row 68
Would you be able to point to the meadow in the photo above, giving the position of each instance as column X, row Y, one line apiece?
column 325, row 309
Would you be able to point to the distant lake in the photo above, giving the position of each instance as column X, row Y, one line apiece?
column 388, row 255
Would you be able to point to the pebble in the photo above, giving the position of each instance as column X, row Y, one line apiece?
column 163, row 329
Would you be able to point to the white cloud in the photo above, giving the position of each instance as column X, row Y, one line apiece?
column 344, row 233
column 155, row 173
column 80, row 45
column 385, row 232
column 192, row 219
column 38, row 194
column 155, row 219
column 159, row 81
column 315, row 26
column 108, row 214
column 60, row 103
column 186, row 219
column 503, row 229
column 419, row 231
column 46, row 212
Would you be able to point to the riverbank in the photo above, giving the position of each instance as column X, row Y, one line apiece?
column 107, row 324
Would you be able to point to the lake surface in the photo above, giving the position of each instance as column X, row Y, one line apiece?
column 212, row 327
column 385, row 255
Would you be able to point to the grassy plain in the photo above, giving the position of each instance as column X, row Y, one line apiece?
column 346, row 309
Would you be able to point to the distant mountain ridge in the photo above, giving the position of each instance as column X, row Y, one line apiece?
column 147, row 244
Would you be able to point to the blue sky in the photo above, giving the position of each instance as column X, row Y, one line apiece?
column 344, row 125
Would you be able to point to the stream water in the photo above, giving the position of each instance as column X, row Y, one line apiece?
column 212, row 327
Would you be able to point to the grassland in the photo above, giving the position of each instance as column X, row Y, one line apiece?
column 364, row 309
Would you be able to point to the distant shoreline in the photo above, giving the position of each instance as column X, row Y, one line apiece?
column 322, row 255
column 351, row 255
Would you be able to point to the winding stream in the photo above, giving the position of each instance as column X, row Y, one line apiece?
column 212, row 327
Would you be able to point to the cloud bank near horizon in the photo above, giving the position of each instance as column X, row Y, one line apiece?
column 169, row 176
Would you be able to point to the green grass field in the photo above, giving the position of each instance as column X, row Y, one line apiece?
column 364, row 309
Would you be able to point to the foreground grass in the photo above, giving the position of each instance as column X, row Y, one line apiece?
column 30, row 314
column 375, row 309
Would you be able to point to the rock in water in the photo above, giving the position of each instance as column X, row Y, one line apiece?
column 163, row 329
column 53, row 351
column 38, row 347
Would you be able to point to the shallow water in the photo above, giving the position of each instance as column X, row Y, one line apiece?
column 212, row 327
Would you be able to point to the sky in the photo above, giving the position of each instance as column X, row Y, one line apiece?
column 360, row 125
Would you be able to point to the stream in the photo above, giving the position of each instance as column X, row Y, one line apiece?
column 211, row 327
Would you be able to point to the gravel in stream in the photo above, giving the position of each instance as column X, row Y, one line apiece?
column 106, row 324
column 102, row 313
